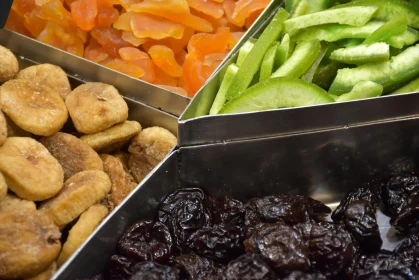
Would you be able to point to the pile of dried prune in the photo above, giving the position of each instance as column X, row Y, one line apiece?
column 198, row 236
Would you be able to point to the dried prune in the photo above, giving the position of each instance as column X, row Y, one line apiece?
column 119, row 268
column 291, row 209
column 408, row 216
column 220, row 243
column 154, row 271
column 331, row 249
column 408, row 250
column 228, row 211
column 370, row 192
column 195, row 267
column 397, row 190
column 184, row 212
column 281, row 246
column 249, row 267
column 299, row 275
column 361, row 222
column 384, row 268
column 147, row 241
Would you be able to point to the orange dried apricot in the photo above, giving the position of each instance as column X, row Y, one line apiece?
column 124, row 67
column 175, row 10
column 162, row 78
column 244, row 8
column 164, row 58
column 252, row 18
column 129, row 37
column 175, row 44
column 17, row 23
column 84, row 13
column 154, row 27
column 193, row 76
column 202, row 44
column 181, row 57
column 106, row 14
column 234, row 39
column 177, row 90
column 110, row 39
column 124, row 21
column 95, row 52
column 214, row 59
column 210, row 8
column 141, row 59
column 21, row 7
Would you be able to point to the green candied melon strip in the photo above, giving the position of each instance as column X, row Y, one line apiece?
column 252, row 62
column 309, row 74
column 391, row 28
column 355, row 16
column 335, row 32
column 319, row 5
column 301, row 59
column 268, row 62
column 221, row 94
column 388, row 9
column 362, row 54
column 277, row 93
column 244, row 51
column 413, row 86
column 300, row 9
column 362, row 90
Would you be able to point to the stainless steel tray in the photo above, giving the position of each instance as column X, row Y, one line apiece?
column 323, row 165
column 196, row 127
column 30, row 52
column 76, row 66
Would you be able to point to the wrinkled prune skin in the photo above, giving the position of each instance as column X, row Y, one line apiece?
column 370, row 192
column 220, row 243
column 331, row 249
column 281, row 246
column 155, row 271
column 383, row 268
column 408, row 250
column 119, row 268
column 184, row 212
column 249, row 267
column 228, row 211
column 299, row 275
column 147, row 241
column 290, row 209
column 397, row 191
column 193, row 266
column 408, row 216
column 360, row 221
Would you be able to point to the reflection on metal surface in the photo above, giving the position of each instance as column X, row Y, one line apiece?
column 138, row 90
column 323, row 165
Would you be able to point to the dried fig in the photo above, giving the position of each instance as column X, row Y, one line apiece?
column 9, row 66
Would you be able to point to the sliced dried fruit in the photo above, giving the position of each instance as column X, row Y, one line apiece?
column 155, row 27
column 110, row 39
column 3, row 128
column 244, row 8
column 122, row 181
column 84, row 13
column 79, row 193
column 11, row 202
column 46, row 274
column 3, row 187
column 29, row 243
column 41, row 74
column 140, row 166
column 95, row 52
column 141, row 59
column 202, row 44
column 29, row 169
column 33, row 107
column 164, row 58
column 112, row 138
column 129, row 37
column 14, row 131
column 94, row 107
column 8, row 65
column 210, row 8
column 124, row 67
column 72, row 153
column 86, row 224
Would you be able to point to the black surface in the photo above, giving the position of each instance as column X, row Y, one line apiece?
column 5, row 6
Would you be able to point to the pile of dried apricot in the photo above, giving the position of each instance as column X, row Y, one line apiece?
column 53, row 181
column 175, row 44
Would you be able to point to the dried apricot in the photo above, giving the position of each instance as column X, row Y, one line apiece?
column 95, row 52
column 202, row 44
column 164, row 58
column 155, row 27
column 244, row 8
column 110, row 39
column 124, row 67
column 129, row 37
column 141, row 59
column 84, row 13
column 208, row 7
column 16, row 23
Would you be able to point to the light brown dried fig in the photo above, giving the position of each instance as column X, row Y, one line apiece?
column 3, row 128
column 9, row 66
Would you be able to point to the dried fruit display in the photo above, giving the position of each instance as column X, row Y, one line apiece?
column 175, row 44
column 221, row 238
column 67, row 173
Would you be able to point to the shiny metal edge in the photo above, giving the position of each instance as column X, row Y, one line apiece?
column 323, row 165
column 135, row 89
column 202, row 101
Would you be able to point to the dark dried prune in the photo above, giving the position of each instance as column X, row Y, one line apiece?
column 119, row 268
column 147, row 241
column 384, row 268
column 331, row 249
column 249, row 267
column 228, row 211
column 397, row 190
column 361, row 222
column 408, row 250
column 197, row 268
column 408, row 216
column 220, row 243
column 281, row 246
column 299, row 275
column 370, row 192
column 184, row 212
column 155, row 271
